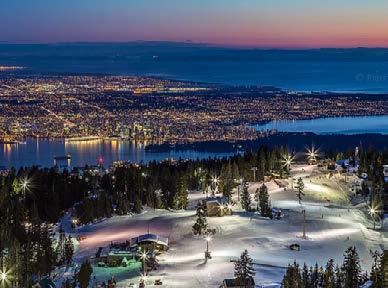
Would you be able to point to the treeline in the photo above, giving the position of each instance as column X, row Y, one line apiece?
column 30, row 200
column 370, row 164
column 165, row 185
column 349, row 275
column 295, row 141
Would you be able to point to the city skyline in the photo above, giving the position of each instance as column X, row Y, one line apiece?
column 260, row 24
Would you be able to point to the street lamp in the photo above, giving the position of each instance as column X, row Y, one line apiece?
column 312, row 154
column 222, row 209
column 143, row 256
column 215, row 180
column 156, row 196
column 207, row 253
column 25, row 186
column 254, row 169
column 241, row 181
column 4, row 277
column 373, row 212
column 288, row 160
column 304, row 224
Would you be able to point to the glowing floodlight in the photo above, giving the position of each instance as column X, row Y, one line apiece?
column 312, row 154
column 215, row 179
column 288, row 160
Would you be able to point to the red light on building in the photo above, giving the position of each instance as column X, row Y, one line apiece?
column 100, row 161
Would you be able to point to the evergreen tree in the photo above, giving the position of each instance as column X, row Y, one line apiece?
column 306, row 276
column 300, row 188
column 245, row 197
column 351, row 268
column 265, row 209
column 292, row 278
column 181, row 196
column 84, row 274
column 329, row 275
column 257, row 198
column 137, row 207
column 68, row 250
column 46, row 258
column 122, row 207
column 364, row 189
column 59, row 249
column 338, row 277
column 243, row 269
column 200, row 226
column 377, row 271
column 226, row 180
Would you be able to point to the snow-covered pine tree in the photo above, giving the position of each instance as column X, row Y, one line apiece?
column 265, row 208
column 338, row 277
column 68, row 250
column 377, row 271
column 292, row 278
column 245, row 197
column 305, row 276
column 243, row 269
column 351, row 269
column 328, row 275
column 299, row 190
column 200, row 225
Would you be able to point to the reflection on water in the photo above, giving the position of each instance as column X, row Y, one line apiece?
column 335, row 125
column 42, row 152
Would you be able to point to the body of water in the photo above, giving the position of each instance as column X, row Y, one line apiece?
column 42, row 152
column 349, row 70
column 336, row 125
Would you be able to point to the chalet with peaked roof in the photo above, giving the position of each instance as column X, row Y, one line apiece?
column 150, row 242
column 235, row 283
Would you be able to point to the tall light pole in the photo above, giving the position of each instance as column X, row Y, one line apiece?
column 312, row 155
column 144, row 258
column 156, row 196
column 241, row 180
column 24, row 184
column 372, row 213
column 304, row 224
column 215, row 180
column 254, row 169
column 287, row 161
column 24, row 187
column 207, row 253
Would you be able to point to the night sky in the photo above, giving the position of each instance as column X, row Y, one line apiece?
column 254, row 23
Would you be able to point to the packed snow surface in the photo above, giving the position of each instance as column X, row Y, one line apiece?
column 332, row 225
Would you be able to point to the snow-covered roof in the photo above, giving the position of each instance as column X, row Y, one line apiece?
column 342, row 162
column 219, row 200
column 149, row 238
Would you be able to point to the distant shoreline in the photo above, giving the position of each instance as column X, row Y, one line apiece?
column 291, row 140
column 344, row 70
column 10, row 68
